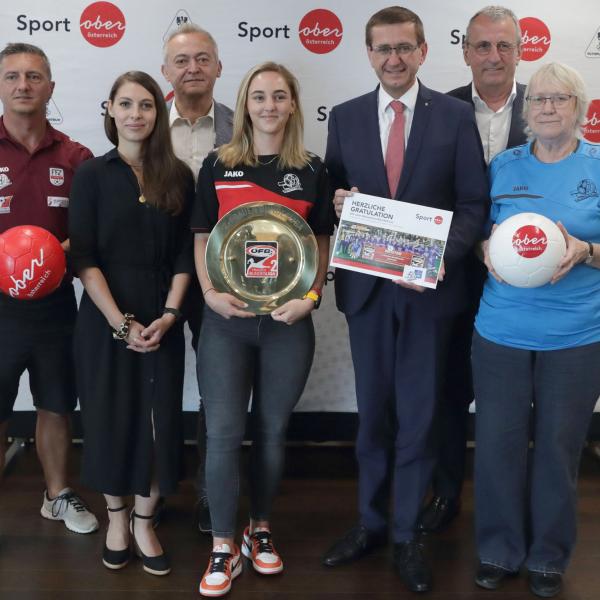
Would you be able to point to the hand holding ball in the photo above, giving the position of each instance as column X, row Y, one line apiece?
column 525, row 250
column 32, row 262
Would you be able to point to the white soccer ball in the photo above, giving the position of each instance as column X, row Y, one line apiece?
column 526, row 249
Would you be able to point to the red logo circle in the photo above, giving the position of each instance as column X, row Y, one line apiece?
column 438, row 220
column 529, row 241
column 591, row 128
column 320, row 31
column 535, row 38
column 102, row 24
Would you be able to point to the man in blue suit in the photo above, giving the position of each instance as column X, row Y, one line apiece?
column 492, row 49
column 398, row 331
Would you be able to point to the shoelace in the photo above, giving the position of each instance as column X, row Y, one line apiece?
column 218, row 562
column 68, row 498
column 263, row 538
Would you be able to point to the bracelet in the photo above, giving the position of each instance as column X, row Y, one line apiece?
column 208, row 290
column 173, row 311
column 314, row 295
column 122, row 331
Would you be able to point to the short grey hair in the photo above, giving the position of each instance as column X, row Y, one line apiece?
column 13, row 48
column 566, row 77
column 189, row 28
column 496, row 13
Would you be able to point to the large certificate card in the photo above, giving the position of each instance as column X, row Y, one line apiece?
column 391, row 239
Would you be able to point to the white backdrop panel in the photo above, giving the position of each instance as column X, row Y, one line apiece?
column 248, row 33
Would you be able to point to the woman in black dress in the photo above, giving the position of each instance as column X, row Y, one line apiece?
column 131, row 248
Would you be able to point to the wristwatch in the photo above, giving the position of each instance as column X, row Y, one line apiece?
column 590, row 256
column 315, row 296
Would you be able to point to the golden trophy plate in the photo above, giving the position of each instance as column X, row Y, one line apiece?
column 264, row 254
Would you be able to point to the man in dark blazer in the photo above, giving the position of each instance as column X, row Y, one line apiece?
column 492, row 49
column 399, row 331
column 198, row 125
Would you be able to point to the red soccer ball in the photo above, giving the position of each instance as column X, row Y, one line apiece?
column 32, row 262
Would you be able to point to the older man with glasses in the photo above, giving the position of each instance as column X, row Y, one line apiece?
column 492, row 49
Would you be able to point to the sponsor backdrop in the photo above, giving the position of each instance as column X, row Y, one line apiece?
column 90, row 43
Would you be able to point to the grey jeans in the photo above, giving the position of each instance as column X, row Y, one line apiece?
column 237, row 357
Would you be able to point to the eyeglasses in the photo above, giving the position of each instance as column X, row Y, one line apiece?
column 400, row 49
column 557, row 100
column 484, row 48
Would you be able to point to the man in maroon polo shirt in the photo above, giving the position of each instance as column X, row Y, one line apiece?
column 36, row 167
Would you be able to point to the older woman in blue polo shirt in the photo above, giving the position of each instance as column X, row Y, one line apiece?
column 536, row 352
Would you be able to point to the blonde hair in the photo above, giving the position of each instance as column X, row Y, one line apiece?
column 566, row 77
column 240, row 150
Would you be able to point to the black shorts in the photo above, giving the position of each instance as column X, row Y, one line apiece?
column 38, row 338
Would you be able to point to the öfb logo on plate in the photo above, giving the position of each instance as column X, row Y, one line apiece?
column 529, row 241
column 591, row 128
column 535, row 38
column 102, row 24
column 320, row 31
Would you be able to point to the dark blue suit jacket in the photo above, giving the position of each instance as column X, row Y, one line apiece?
column 516, row 134
column 443, row 168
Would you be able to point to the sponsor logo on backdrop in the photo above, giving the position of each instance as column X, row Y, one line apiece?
column 53, row 113
column 31, row 26
column 255, row 32
column 591, row 128
column 5, row 204
column 320, row 31
column 102, row 24
column 593, row 49
column 181, row 18
column 536, row 38
column 456, row 37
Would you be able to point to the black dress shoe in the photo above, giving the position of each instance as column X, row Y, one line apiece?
column 490, row 576
column 411, row 566
column 355, row 544
column 545, row 585
column 438, row 514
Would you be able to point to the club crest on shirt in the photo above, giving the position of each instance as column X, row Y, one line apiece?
column 57, row 176
column 290, row 183
column 5, row 204
column 585, row 189
column 4, row 180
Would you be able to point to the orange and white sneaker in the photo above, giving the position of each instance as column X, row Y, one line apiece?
column 224, row 566
column 258, row 547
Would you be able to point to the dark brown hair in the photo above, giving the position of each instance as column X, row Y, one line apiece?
column 393, row 15
column 165, row 176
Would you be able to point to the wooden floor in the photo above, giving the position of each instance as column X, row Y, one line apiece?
column 41, row 560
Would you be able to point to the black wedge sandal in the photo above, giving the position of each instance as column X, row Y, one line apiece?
column 115, row 559
column 155, row 565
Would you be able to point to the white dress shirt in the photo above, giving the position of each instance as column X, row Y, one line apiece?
column 192, row 142
column 494, row 126
column 386, row 113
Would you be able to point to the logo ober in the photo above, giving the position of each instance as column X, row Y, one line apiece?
column 102, row 24
column 536, row 38
column 320, row 31
column 529, row 241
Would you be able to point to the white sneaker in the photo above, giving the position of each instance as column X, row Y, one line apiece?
column 224, row 565
column 71, row 509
